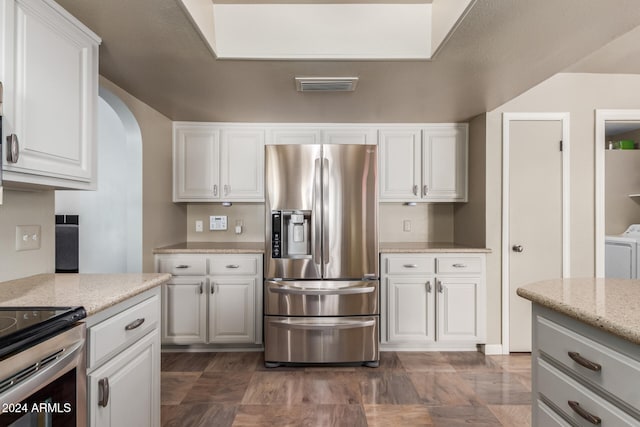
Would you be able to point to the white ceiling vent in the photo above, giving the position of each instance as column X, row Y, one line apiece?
column 326, row 84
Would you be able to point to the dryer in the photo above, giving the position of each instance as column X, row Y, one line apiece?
column 621, row 254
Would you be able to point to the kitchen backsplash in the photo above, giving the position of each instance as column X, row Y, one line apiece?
column 429, row 222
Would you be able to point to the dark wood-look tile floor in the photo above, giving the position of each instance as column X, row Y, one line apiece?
column 408, row 389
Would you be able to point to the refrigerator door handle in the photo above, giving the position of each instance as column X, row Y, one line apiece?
column 317, row 218
column 309, row 325
column 326, row 226
column 341, row 291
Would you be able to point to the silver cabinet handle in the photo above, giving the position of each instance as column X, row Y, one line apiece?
column 212, row 288
column 439, row 286
column 135, row 324
column 13, row 148
column 103, row 392
column 425, row 190
column 182, row 266
column 517, row 248
column 232, row 266
column 415, row 190
column 593, row 419
column 429, row 286
column 215, row 190
column 226, row 188
column 460, row 265
column 576, row 357
column 410, row 266
column 201, row 288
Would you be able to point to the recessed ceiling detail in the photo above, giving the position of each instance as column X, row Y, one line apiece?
column 359, row 30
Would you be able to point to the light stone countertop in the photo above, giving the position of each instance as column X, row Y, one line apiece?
column 428, row 247
column 212, row 248
column 95, row 292
column 608, row 304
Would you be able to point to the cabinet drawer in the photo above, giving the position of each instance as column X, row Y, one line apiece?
column 183, row 266
column 618, row 373
column 461, row 265
column 564, row 392
column 548, row 417
column 233, row 265
column 122, row 330
column 410, row 265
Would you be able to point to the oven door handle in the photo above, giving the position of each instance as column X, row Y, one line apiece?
column 45, row 371
column 306, row 325
column 322, row 292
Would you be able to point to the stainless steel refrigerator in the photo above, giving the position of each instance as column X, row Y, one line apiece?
column 321, row 287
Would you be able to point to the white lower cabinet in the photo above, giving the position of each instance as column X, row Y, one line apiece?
column 184, row 311
column 123, row 363
column 224, row 306
column 432, row 301
column 123, row 391
column 582, row 375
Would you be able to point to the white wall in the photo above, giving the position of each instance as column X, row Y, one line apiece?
column 111, row 217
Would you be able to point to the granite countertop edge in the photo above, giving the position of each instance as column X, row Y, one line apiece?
column 94, row 292
column 601, row 322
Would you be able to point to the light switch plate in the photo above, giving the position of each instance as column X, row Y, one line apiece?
column 27, row 237
column 218, row 223
column 199, row 226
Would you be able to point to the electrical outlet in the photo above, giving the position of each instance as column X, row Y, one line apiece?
column 406, row 225
column 27, row 237
column 199, row 226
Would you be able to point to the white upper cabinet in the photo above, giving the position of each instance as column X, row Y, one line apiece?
column 400, row 167
column 426, row 164
column 294, row 135
column 359, row 136
column 214, row 163
column 323, row 134
column 49, row 70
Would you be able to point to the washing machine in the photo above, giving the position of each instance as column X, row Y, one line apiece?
column 621, row 254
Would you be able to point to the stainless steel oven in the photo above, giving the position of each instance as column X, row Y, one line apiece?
column 43, row 383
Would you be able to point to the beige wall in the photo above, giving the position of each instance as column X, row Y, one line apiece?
column 430, row 222
column 580, row 95
column 163, row 221
column 251, row 215
column 622, row 177
column 26, row 208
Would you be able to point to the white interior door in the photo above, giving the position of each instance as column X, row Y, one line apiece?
column 535, row 216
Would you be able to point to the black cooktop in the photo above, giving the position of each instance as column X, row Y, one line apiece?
column 22, row 327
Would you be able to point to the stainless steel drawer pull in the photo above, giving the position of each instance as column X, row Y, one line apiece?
column 415, row 190
column 410, row 266
column 103, row 392
column 212, row 287
column 460, row 265
column 182, row 266
column 425, row 190
column 135, row 324
column 232, row 266
column 584, row 362
column 593, row 419
column 439, row 286
column 429, row 286
column 201, row 288
column 304, row 325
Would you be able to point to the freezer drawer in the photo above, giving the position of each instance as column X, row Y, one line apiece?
column 321, row 339
column 321, row 298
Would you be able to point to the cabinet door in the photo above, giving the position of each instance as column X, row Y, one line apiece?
column 444, row 164
column 196, row 150
column 458, row 309
column 242, row 165
column 232, row 310
column 294, row 135
column 411, row 310
column 359, row 136
column 399, row 164
column 50, row 77
column 133, row 382
column 184, row 314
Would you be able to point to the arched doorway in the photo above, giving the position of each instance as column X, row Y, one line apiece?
column 110, row 218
